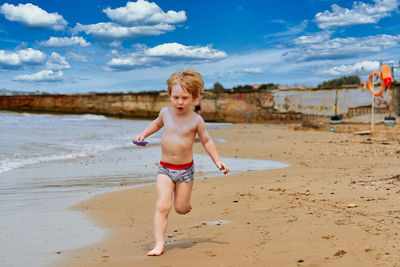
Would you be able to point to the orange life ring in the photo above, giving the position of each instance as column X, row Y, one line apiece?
column 371, row 80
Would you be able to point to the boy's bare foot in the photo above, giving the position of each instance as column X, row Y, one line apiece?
column 157, row 250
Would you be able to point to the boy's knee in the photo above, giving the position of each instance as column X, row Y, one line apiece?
column 163, row 207
column 183, row 209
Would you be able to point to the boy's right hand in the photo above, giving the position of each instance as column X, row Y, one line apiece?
column 138, row 138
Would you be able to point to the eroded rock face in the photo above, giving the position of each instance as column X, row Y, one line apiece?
column 135, row 105
column 257, row 106
column 229, row 107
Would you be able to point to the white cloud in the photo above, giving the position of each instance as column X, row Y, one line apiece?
column 291, row 30
column 57, row 62
column 165, row 54
column 139, row 47
column 227, row 73
column 108, row 31
column 250, row 70
column 280, row 38
column 144, row 13
column 341, row 47
column 65, row 41
column 115, row 44
column 33, row 16
column 360, row 13
column 77, row 57
column 114, row 52
column 21, row 58
column 312, row 39
column 136, row 19
column 175, row 50
column 41, row 76
column 342, row 70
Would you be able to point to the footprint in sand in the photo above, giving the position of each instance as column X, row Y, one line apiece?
column 340, row 253
column 209, row 253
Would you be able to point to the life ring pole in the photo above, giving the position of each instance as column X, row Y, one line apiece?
column 336, row 97
column 372, row 107
column 390, row 103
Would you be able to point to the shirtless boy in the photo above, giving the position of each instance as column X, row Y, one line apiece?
column 176, row 170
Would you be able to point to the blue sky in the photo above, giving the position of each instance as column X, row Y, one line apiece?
column 120, row 46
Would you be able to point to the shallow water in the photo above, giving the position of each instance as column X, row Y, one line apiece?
column 52, row 162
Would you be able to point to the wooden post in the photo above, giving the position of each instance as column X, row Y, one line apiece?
column 372, row 107
column 395, row 90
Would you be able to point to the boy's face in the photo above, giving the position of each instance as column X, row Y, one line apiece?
column 182, row 101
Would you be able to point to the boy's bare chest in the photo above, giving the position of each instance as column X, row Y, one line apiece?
column 179, row 127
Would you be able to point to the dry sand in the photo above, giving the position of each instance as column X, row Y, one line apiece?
column 337, row 205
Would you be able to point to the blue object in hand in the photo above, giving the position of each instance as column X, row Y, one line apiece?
column 140, row 142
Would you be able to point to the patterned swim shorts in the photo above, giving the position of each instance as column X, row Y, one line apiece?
column 177, row 173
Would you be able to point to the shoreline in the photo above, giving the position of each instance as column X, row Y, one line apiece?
column 280, row 216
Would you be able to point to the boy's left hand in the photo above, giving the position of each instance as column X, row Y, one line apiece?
column 222, row 167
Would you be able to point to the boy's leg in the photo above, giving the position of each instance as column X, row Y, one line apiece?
column 183, row 192
column 165, row 190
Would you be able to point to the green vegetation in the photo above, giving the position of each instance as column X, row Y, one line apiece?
column 218, row 87
column 250, row 88
column 15, row 92
column 268, row 86
column 155, row 92
column 243, row 88
column 345, row 80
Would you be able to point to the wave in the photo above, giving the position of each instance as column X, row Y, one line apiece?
column 86, row 117
column 16, row 163
column 83, row 117
column 8, row 165
column 16, row 118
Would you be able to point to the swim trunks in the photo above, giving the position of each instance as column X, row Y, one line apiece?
column 183, row 173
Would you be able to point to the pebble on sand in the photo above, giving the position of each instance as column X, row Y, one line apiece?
column 352, row 205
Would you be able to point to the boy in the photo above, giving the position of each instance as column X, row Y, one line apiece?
column 176, row 171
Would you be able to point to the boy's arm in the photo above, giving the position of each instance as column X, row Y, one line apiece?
column 153, row 127
column 209, row 146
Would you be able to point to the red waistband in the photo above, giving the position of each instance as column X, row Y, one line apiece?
column 176, row 167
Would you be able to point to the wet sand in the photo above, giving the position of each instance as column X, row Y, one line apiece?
column 337, row 205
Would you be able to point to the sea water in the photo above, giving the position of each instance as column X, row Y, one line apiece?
column 48, row 163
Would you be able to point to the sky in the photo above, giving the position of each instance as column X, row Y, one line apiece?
column 132, row 46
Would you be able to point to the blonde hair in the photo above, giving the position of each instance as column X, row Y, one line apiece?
column 190, row 80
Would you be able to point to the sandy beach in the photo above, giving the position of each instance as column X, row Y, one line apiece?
column 336, row 205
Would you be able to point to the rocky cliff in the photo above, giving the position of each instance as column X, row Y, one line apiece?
column 254, row 106
column 229, row 107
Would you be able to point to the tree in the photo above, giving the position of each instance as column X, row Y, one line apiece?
column 351, row 79
column 243, row 88
column 268, row 86
column 218, row 87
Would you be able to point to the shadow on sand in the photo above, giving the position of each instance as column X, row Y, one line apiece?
column 185, row 243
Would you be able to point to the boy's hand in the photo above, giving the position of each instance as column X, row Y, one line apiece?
column 222, row 167
column 138, row 138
